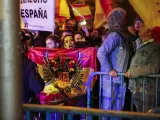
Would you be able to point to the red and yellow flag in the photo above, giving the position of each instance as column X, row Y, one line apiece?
column 81, row 12
column 62, row 10
column 65, row 71
column 156, row 33
column 149, row 11
column 103, row 8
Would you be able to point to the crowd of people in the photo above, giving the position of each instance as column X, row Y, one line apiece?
column 129, row 49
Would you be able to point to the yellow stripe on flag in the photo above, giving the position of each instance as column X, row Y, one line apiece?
column 85, row 10
column 22, row 23
column 64, row 9
column 149, row 11
column 100, row 17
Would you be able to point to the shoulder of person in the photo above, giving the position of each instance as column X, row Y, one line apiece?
column 113, row 35
column 28, row 63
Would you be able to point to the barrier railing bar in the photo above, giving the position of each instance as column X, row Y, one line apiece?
column 28, row 115
column 90, row 117
column 86, row 111
column 100, row 94
column 70, row 117
column 155, row 110
column 110, row 98
column 143, row 94
column 132, row 95
column 121, row 87
column 48, row 116
column 156, row 92
column 66, row 100
column 100, row 91
column 104, row 73
column 63, row 117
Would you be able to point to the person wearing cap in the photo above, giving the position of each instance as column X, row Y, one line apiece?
column 114, row 56
column 146, row 61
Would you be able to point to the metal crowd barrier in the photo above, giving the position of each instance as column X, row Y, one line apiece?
column 89, row 112
column 89, row 89
column 70, row 111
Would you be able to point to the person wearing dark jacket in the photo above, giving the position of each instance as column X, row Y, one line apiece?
column 32, row 82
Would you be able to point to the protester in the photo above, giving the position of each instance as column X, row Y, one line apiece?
column 53, row 41
column 93, row 38
column 80, row 40
column 138, row 22
column 145, row 62
column 68, row 42
column 32, row 82
column 40, row 40
column 79, row 37
column 114, row 56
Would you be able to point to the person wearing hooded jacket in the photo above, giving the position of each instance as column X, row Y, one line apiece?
column 114, row 56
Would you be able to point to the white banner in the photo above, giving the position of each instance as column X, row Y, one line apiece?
column 37, row 14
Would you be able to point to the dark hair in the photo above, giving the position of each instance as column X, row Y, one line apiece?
column 65, row 37
column 138, row 19
column 24, row 38
column 23, row 46
column 43, row 34
column 55, row 38
column 70, row 31
column 78, row 32
column 31, row 37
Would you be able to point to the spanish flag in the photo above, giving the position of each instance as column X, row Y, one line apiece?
column 65, row 71
column 103, row 8
column 81, row 12
column 156, row 33
column 62, row 10
column 149, row 11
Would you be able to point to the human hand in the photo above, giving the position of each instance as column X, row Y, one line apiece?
column 113, row 73
column 132, row 30
column 84, row 28
column 127, row 74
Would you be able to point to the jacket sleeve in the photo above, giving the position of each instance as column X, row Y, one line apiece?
column 36, row 83
column 152, row 67
column 143, row 70
column 109, row 44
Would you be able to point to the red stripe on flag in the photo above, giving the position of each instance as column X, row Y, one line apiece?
column 57, row 10
column 79, row 5
column 57, row 7
column 86, row 17
column 156, row 33
column 107, row 6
